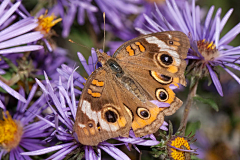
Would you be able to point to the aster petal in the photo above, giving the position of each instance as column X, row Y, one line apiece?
column 92, row 18
column 12, row 92
column 138, row 141
column 114, row 152
column 24, row 39
column 193, row 57
column 31, row 146
column 64, row 153
column 48, row 149
column 236, row 67
column 210, row 36
column 30, row 96
column 9, row 12
column 2, row 106
column 19, row 31
column 198, row 22
column 225, row 52
column 21, row 49
column 225, row 18
column 194, row 20
column 19, row 156
column 41, row 86
column 91, row 153
column 215, row 80
column 18, row 25
column 177, row 16
column 207, row 21
column 68, row 20
column 3, row 6
column 8, row 22
column 217, row 32
column 84, row 63
column 232, row 74
column 168, row 25
column 160, row 104
column 183, row 150
column 164, row 128
column 81, row 15
column 73, row 106
column 12, row 155
column 153, row 24
column 230, row 35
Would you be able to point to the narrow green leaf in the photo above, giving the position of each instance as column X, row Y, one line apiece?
column 208, row 101
column 10, row 63
column 192, row 127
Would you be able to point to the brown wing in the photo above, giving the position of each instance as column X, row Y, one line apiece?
column 163, row 52
column 146, row 117
column 101, row 114
column 157, row 86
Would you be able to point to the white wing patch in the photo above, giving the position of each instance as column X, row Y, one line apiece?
column 81, row 125
column 164, row 47
column 96, row 117
column 86, row 108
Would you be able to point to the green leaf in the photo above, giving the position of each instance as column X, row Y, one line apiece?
column 192, row 127
column 40, row 77
column 193, row 157
column 10, row 63
column 208, row 101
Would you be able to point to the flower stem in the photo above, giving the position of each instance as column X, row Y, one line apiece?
column 192, row 93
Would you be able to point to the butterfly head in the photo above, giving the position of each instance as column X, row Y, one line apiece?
column 102, row 57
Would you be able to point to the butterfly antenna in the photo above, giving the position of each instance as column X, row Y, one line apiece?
column 103, row 31
column 79, row 44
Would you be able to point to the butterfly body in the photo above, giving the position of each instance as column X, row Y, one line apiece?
column 117, row 96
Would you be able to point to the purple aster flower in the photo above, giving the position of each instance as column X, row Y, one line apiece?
column 18, row 33
column 19, row 132
column 63, row 98
column 49, row 62
column 149, row 10
column 45, row 20
column 15, row 37
column 117, row 13
column 207, row 50
column 69, row 9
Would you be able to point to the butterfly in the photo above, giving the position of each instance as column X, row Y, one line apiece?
column 117, row 96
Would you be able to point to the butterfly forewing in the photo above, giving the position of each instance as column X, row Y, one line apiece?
column 163, row 52
column 101, row 114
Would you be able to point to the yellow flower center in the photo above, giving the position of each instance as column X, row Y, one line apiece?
column 180, row 143
column 207, row 49
column 46, row 23
column 10, row 132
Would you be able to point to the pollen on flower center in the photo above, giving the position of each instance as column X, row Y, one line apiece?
column 181, row 143
column 11, row 132
column 45, row 23
column 207, row 49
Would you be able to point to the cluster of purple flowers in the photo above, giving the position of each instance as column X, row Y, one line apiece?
column 36, row 77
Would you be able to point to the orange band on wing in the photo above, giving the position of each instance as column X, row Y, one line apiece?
column 130, row 51
column 142, row 49
column 97, row 83
column 172, row 69
column 97, row 95
column 140, row 123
